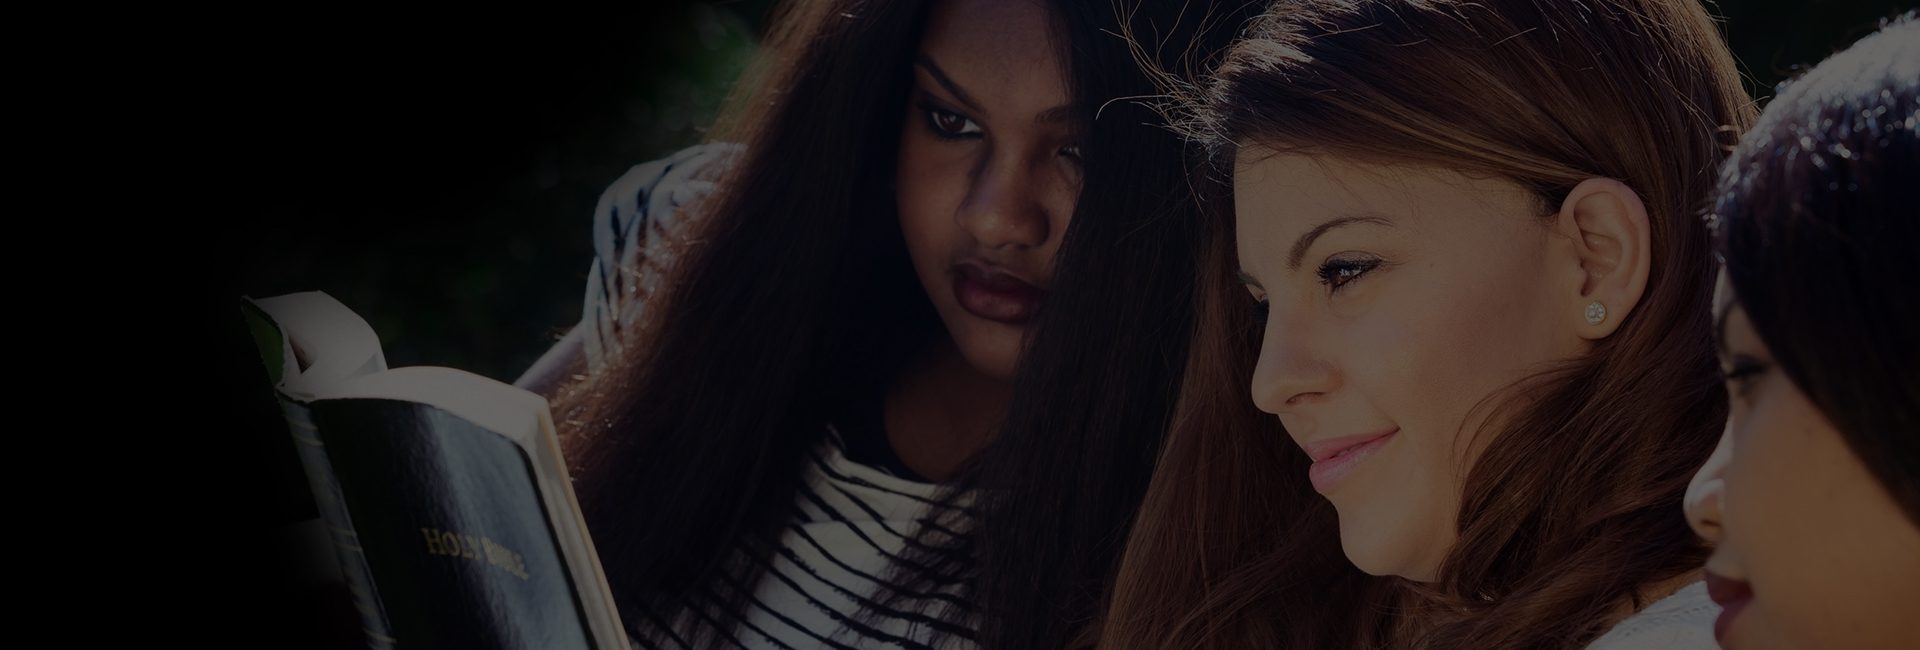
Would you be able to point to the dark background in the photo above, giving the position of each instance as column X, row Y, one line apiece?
column 437, row 173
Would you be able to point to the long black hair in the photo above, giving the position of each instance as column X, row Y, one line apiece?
column 791, row 295
column 1053, row 497
column 1818, row 216
column 787, row 292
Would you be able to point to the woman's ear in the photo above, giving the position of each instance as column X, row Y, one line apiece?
column 1612, row 243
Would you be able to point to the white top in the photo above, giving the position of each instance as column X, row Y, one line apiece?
column 1682, row 621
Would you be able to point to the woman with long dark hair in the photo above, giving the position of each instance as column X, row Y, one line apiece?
column 834, row 387
column 1464, row 274
column 1814, row 497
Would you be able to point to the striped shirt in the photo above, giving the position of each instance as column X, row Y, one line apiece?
column 825, row 584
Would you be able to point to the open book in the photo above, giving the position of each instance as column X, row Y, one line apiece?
column 443, row 492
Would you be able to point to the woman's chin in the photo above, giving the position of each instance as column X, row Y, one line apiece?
column 993, row 349
column 1384, row 553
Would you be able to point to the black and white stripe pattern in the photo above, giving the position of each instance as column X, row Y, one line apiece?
column 825, row 584
column 633, row 227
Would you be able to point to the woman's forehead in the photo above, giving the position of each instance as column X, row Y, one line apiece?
column 1001, row 53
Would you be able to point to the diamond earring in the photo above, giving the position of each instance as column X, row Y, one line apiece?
column 1596, row 313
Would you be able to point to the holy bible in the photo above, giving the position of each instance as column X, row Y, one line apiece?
column 443, row 492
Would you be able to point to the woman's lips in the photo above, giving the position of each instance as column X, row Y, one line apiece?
column 1335, row 458
column 995, row 295
column 1733, row 596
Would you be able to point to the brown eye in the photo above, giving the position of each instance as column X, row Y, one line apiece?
column 1337, row 273
column 949, row 122
column 950, row 125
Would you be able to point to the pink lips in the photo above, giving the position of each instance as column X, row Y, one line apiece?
column 995, row 295
column 1732, row 595
column 1335, row 458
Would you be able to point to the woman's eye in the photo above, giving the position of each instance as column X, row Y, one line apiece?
column 1071, row 151
column 1338, row 272
column 950, row 125
column 1742, row 373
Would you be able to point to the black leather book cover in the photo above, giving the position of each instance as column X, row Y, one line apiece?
column 452, row 528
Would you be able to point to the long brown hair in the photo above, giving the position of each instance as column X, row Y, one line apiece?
column 1574, row 509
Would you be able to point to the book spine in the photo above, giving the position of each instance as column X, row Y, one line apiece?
column 340, row 531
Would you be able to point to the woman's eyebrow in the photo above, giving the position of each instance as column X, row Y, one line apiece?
column 926, row 63
column 1300, row 246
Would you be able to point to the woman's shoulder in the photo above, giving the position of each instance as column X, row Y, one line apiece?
column 634, row 222
column 1681, row 621
column 655, row 191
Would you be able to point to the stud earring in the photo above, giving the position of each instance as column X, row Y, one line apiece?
column 1596, row 313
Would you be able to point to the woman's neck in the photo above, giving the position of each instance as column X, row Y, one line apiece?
column 940, row 411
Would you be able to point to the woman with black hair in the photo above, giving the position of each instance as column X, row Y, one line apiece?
column 891, row 368
column 1813, row 498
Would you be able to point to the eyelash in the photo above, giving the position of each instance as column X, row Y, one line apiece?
column 1745, row 369
column 933, row 116
column 1334, row 274
column 1337, row 273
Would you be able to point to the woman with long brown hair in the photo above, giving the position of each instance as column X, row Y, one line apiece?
column 1478, row 330
column 825, row 394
